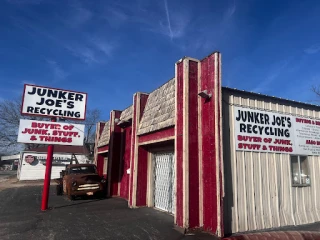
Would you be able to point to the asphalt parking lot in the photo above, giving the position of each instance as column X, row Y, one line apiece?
column 91, row 218
column 21, row 218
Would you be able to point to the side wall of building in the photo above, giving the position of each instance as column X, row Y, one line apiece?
column 258, row 188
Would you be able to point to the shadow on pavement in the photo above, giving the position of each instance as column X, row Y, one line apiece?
column 75, row 203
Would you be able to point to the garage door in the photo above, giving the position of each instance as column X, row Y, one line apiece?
column 164, row 181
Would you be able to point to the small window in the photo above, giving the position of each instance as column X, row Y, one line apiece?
column 300, row 171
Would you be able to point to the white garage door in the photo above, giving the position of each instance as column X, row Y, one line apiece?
column 164, row 181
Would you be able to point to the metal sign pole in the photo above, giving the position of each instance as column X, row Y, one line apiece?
column 47, row 177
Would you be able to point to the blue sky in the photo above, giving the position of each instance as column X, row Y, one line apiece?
column 112, row 49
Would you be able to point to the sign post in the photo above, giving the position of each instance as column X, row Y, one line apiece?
column 51, row 102
column 47, row 176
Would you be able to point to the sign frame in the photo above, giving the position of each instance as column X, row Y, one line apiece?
column 53, row 116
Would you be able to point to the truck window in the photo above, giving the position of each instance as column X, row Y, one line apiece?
column 83, row 170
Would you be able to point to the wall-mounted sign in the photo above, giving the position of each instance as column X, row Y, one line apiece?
column 51, row 102
column 262, row 131
column 29, row 159
column 31, row 131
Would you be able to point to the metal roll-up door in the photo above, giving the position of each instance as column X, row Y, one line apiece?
column 164, row 181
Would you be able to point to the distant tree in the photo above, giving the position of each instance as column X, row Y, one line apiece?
column 316, row 90
column 93, row 116
column 9, row 124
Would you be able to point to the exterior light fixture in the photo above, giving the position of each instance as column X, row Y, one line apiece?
column 116, row 120
column 205, row 94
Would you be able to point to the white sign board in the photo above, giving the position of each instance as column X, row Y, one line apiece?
column 51, row 102
column 262, row 131
column 32, row 131
column 32, row 170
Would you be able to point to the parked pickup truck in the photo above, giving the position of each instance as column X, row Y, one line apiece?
column 80, row 179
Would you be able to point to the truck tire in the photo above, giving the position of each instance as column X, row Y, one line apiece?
column 59, row 190
column 71, row 197
column 101, row 195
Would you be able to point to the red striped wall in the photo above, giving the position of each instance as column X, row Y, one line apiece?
column 100, row 163
column 101, row 128
column 124, row 177
column 142, row 177
column 133, row 139
column 157, row 136
column 103, row 149
column 221, row 168
column 136, row 193
column 197, row 129
column 193, row 146
column 187, row 147
column 179, row 144
column 114, row 153
column 209, row 144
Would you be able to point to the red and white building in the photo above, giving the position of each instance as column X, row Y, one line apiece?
column 218, row 159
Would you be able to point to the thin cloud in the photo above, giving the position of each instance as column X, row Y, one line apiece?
column 115, row 17
column 209, row 32
column 171, row 23
column 58, row 73
column 105, row 47
column 175, row 30
column 264, row 85
column 82, row 52
column 79, row 15
column 230, row 11
column 168, row 18
column 312, row 49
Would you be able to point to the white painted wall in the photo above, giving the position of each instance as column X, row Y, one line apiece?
column 258, row 189
column 36, row 170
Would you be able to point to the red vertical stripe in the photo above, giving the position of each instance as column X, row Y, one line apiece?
column 115, row 137
column 143, row 102
column 101, row 128
column 193, row 146
column 208, row 146
column 124, row 177
column 179, row 145
column 142, row 177
column 142, row 154
column 142, row 171
column 220, row 147
column 100, row 163
column 134, row 125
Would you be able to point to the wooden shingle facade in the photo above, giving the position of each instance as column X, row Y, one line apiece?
column 105, row 135
column 159, row 112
